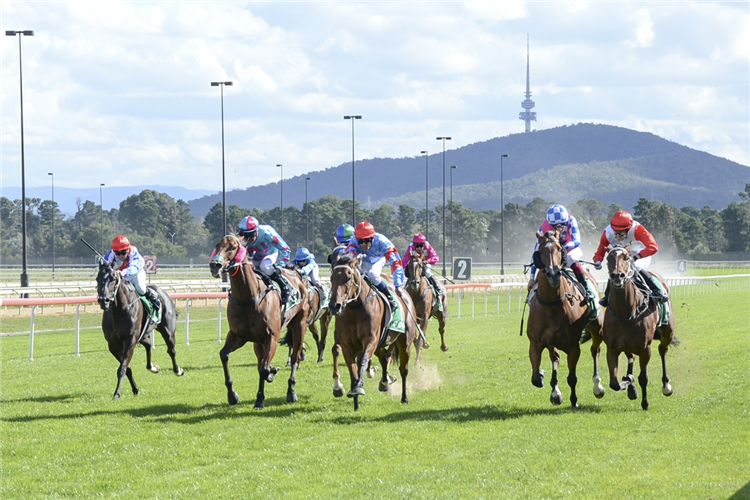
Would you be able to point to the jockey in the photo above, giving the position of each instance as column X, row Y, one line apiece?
column 344, row 233
column 421, row 246
column 377, row 249
column 267, row 251
column 623, row 230
column 558, row 219
column 126, row 260
column 305, row 263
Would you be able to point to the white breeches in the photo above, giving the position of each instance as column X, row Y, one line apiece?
column 373, row 270
column 138, row 280
column 266, row 264
column 574, row 256
column 642, row 263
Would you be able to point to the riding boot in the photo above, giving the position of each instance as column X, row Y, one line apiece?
column 604, row 301
column 284, row 289
column 154, row 298
column 434, row 283
column 582, row 280
column 656, row 292
column 383, row 288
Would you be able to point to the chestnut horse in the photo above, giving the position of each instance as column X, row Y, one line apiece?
column 254, row 315
column 424, row 301
column 360, row 318
column 319, row 314
column 558, row 314
column 125, row 323
column 631, row 321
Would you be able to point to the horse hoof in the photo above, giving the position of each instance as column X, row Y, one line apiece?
column 632, row 392
column 358, row 391
column 372, row 371
column 556, row 397
column 667, row 390
column 629, row 379
column 426, row 345
column 338, row 392
column 599, row 391
column 404, row 401
column 259, row 405
column 391, row 378
column 154, row 369
column 116, row 396
column 444, row 347
column 233, row 398
column 291, row 397
column 180, row 372
column 383, row 387
column 644, row 405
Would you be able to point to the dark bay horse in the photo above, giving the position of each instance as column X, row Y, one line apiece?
column 424, row 301
column 558, row 314
column 360, row 318
column 254, row 315
column 631, row 321
column 125, row 323
column 319, row 315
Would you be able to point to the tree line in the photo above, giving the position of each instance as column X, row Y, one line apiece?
column 159, row 225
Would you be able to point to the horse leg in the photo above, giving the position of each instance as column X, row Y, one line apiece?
column 325, row 321
column 556, row 396
column 573, row 357
column 629, row 378
column 124, row 369
column 666, row 387
column 232, row 343
column 644, row 358
column 359, row 381
column 535, row 355
column 338, row 387
column 403, row 368
column 316, row 337
column 298, row 331
column 441, row 328
column 612, row 361
column 149, row 366
column 596, row 342
column 170, row 341
column 385, row 382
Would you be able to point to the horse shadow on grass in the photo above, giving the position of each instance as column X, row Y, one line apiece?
column 741, row 494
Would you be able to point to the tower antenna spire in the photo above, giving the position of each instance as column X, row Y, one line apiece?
column 527, row 116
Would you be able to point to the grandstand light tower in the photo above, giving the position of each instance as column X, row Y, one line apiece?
column 527, row 116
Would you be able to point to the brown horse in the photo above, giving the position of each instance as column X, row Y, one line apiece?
column 558, row 314
column 318, row 315
column 254, row 315
column 631, row 321
column 125, row 323
column 360, row 318
column 424, row 301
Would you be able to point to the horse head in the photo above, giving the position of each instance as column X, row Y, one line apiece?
column 107, row 282
column 414, row 270
column 228, row 253
column 619, row 265
column 552, row 254
column 346, row 282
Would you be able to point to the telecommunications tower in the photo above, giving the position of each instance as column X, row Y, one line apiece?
column 528, row 116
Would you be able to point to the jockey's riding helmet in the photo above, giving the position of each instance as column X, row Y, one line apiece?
column 302, row 254
column 364, row 230
column 621, row 221
column 557, row 214
column 120, row 243
column 419, row 239
column 248, row 225
column 344, row 233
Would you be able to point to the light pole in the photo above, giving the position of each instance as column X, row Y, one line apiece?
column 426, row 196
column 24, row 273
column 282, row 197
column 453, row 167
column 101, row 230
column 502, row 219
column 307, row 215
column 443, row 139
column 53, row 223
column 352, row 118
column 223, row 179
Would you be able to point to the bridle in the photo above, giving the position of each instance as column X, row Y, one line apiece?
column 103, row 299
column 618, row 279
column 353, row 289
column 418, row 263
column 551, row 271
column 234, row 263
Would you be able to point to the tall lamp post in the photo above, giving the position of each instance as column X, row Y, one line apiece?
column 53, row 223
column 352, row 118
column 502, row 218
column 223, row 179
column 426, row 196
column 307, row 215
column 101, row 229
column 24, row 273
column 443, row 139
column 453, row 167
column 279, row 165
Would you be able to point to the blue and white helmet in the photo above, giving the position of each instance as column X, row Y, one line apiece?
column 557, row 214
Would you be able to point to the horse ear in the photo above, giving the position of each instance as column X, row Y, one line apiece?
column 627, row 247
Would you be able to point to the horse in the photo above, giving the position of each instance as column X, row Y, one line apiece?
column 360, row 315
column 424, row 301
column 254, row 315
column 319, row 314
column 631, row 323
column 125, row 323
column 558, row 314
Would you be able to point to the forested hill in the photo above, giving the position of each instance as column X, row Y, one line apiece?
column 564, row 164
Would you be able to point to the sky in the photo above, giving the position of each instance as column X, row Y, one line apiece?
column 119, row 92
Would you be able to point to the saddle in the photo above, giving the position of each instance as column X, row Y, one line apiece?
column 393, row 320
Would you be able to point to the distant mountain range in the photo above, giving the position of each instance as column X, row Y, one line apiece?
column 564, row 164
column 66, row 198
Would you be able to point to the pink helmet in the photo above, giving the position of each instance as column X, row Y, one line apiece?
column 419, row 239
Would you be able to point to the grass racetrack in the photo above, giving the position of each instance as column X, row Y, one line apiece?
column 475, row 427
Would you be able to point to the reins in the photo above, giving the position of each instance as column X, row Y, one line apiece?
column 639, row 309
column 349, row 300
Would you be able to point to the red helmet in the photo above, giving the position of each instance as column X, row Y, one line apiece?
column 120, row 243
column 364, row 230
column 419, row 239
column 621, row 221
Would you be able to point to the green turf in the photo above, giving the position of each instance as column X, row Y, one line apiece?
column 475, row 427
